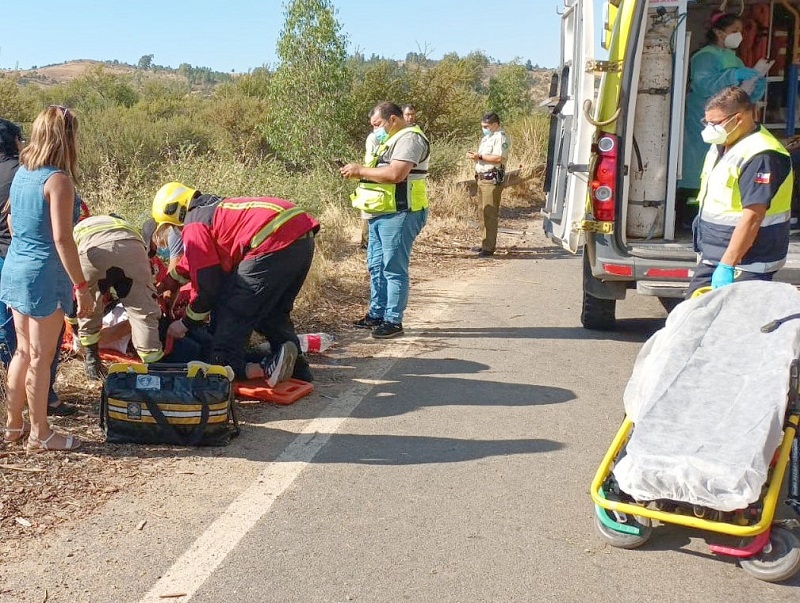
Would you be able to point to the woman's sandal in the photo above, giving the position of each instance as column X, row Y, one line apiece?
column 21, row 432
column 67, row 442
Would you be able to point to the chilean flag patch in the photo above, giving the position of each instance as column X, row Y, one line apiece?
column 763, row 177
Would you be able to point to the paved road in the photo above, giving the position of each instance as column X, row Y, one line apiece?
column 451, row 467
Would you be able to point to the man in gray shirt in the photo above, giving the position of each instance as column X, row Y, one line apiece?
column 392, row 195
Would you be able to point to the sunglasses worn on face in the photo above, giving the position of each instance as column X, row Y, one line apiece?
column 720, row 122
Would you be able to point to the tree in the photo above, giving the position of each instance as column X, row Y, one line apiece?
column 509, row 92
column 309, row 90
column 529, row 65
column 146, row 62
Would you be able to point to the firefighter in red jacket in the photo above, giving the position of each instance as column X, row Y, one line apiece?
column 246, row 260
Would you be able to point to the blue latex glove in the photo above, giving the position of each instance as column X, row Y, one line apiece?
column 758, row 90
column 723, row 275
column 745, row 73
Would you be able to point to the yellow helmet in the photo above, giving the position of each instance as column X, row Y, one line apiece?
column 171, row 203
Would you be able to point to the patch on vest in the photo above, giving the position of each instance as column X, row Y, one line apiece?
column 763, row 177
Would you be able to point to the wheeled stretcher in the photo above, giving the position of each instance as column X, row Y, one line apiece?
column 710, row 429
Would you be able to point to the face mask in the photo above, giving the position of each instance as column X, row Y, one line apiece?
column 380, row 135
column 714, row 134
column 733, row 40
column 486, row 131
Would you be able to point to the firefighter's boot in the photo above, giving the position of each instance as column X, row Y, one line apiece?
column 91, row 363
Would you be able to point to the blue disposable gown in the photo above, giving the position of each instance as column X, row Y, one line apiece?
column 711, row 69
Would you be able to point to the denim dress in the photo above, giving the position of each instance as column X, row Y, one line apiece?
column 33, row 280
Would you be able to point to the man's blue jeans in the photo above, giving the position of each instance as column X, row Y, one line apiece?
column 8, row 344
column 388, row 253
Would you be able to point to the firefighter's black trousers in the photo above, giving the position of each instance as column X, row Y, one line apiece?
column 259, row 296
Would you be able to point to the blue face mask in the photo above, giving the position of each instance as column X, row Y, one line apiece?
column 486, row 131
column 380, row 135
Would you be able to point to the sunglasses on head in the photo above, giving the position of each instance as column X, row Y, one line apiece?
column 65, row 113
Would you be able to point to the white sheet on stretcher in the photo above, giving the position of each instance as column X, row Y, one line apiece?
column 708, row 396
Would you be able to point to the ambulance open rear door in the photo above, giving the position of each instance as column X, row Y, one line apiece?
column 570, row 141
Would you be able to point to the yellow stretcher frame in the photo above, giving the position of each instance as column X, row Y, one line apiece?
column 770, row 501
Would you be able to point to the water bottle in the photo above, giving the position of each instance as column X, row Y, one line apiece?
column 314, row 343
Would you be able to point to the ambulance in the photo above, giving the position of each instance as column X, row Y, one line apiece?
column 616, row 129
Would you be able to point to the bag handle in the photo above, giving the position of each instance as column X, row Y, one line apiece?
column 191, row 439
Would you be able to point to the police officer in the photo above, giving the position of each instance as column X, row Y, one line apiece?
column 246, row 259
column 392, row 193
column 490, row 166
column 742, row 230
column 113, row 255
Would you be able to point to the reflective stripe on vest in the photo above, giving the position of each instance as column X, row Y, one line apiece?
column 83, row 230
column 376, row 197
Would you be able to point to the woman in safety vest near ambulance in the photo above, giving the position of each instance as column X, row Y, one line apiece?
column 742, row 230
column 246, row 259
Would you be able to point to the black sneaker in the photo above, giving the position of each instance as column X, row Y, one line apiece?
column 485, row 254
column 387, row 330
column 302, row 370
column 280, row 365
column 368, row 322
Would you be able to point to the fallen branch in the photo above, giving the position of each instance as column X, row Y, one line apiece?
column 18, row 468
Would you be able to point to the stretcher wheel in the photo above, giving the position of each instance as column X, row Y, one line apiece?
column 621, row 540
column 779, row 560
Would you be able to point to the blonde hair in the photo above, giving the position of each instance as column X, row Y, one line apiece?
column 53, row 141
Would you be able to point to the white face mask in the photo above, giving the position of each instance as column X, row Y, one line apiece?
column 714, row 134
column 733, row 40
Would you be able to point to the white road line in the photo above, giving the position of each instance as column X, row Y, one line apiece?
column 195, row 566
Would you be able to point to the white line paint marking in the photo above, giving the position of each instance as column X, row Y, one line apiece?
column 195, row 566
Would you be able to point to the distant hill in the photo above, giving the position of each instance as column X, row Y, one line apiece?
column 51, row 75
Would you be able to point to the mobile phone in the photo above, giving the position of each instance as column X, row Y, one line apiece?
column 339, row 163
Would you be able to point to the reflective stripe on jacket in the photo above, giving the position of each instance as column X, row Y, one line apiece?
column 97, row 230
column 721, row 206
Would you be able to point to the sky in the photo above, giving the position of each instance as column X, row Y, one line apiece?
column 240, row 35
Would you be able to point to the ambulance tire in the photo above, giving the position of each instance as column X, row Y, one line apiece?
column 598, row 314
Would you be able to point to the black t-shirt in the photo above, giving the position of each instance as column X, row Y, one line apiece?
column 8, row 167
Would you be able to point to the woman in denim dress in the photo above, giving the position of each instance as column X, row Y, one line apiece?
column 41, row 272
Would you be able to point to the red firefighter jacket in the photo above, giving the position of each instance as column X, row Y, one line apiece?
column 219, row 233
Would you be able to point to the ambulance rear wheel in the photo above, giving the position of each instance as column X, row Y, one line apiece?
column 779, row 560
column 598, row 314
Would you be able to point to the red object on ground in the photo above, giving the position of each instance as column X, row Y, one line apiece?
column 287, row 392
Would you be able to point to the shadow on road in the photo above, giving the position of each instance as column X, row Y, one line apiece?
column 629, row 329
column 421, row 450
column 416, row 383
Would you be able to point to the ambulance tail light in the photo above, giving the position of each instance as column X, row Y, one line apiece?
column 603, row 180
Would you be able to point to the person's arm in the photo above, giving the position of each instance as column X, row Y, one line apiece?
column 707, row 78
column 60, row 194
column 744, row 235
column 487, row 158
column 395, row 172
